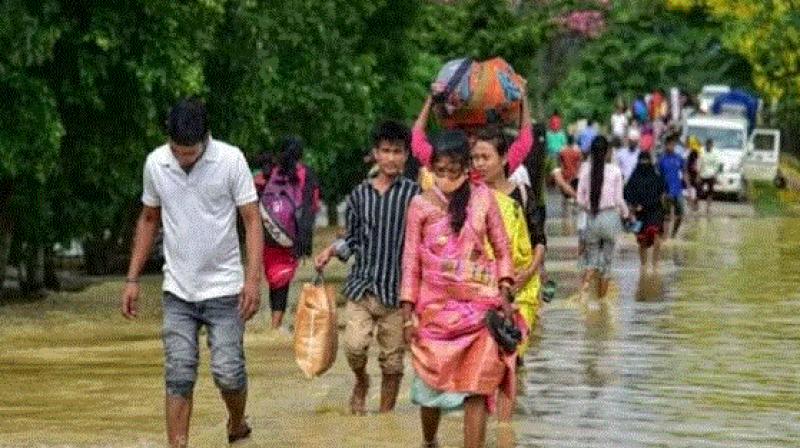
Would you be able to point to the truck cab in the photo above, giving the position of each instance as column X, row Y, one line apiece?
column 730, row 137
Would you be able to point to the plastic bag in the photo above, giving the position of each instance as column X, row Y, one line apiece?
column 315, row 328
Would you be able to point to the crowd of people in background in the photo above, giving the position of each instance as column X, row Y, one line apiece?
column 446, row 236
column 661, row 168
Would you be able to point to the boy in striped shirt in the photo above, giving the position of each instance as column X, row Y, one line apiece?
column 375, row 228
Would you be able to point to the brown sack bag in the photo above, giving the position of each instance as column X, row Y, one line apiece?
column 315, row 328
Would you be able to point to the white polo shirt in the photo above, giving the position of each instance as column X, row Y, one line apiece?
column 198, row 212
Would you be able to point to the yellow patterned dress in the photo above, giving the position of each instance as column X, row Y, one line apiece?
column 527, row 297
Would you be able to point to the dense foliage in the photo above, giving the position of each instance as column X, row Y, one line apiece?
column 88, row 83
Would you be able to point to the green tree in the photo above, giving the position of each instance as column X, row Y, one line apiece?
column 117, row 68
column 30, row 128
column 305, row 68
column 645, row 47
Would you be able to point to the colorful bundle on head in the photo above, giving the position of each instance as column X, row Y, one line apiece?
column 473, row 94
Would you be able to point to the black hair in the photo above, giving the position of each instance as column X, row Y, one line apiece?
column 291, row 152
column 392, row 131
column 454, row 145
column 534, row 163
column 709, row 142
column 570, row 140
column 644, row 157
column 495, row 136
column 672, row 138
column 187, row 122
column 599, row 151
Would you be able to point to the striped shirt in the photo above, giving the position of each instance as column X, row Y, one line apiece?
column 376, row 225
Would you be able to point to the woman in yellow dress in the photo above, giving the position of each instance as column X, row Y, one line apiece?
column 489, row 160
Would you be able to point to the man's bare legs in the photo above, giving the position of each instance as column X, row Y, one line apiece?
column 358, row 399
column 588, row 276
column 235, row 402
column 602, row 287
column 474, row 421
column 179, row 411
column 643, row 257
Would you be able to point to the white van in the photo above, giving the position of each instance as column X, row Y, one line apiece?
column 763, row 156
column 745, row 157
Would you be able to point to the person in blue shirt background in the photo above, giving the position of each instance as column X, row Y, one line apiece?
column 587, row 135
column 672, row 167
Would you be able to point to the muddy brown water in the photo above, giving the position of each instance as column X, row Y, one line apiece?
column 704, row 354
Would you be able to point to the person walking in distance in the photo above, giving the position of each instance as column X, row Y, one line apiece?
column 645, row 192
column 672, row 168
column 600, row 194
column 193, row 186
column 289, row 193
column 710, row 168
column 376, row 216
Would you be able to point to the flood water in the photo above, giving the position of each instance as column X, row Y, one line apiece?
column 704, row 354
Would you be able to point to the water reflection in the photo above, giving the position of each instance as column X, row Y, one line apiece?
column 704, row 354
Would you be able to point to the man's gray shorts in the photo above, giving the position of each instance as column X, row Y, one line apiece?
column 225, row 327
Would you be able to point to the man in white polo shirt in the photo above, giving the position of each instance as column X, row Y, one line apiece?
column 193, row 186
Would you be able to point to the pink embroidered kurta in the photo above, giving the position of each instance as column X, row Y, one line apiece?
column 453, row 282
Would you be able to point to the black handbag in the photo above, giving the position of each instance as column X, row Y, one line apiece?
column 503, row 330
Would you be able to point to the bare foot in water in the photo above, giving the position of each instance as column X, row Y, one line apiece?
column 358, row 399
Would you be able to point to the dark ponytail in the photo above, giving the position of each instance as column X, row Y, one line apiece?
column 599, row 150
column 454, row 145
column 291, row 152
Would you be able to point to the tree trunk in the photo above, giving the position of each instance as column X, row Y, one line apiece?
column 33, row 269
column 333, row 214
column 51, row 280
column 6, row 227
column 5, row 248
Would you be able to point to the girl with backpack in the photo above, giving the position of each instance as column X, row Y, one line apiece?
column 288, row 193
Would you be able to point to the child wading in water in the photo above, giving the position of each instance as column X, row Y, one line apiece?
column 376, row 215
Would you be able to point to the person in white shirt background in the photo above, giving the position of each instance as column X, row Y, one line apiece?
column 619, row 122
column 627, row 156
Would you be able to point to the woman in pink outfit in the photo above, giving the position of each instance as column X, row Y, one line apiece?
column 450, row 282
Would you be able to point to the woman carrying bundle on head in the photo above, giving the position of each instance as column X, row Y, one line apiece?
column 422, row 150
